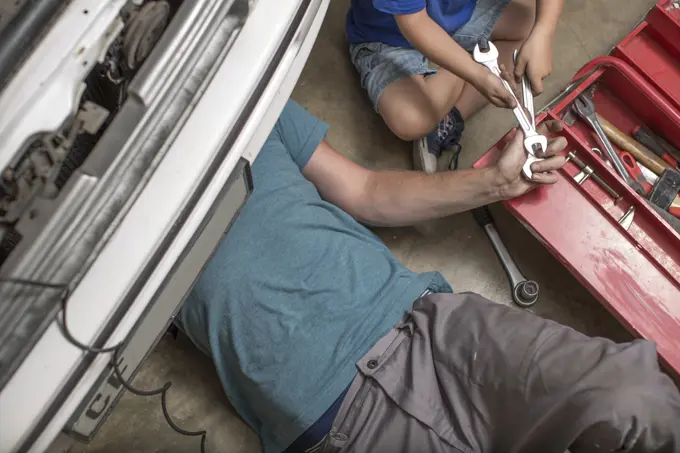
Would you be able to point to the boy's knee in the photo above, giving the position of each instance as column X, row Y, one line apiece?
column 410, row 124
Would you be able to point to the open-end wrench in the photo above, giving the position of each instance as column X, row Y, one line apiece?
column 585, row 108
column 524, row 292
column 486, row 54
column 527, row 94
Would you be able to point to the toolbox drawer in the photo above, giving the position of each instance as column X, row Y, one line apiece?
column 653, row 49
column 634, row 271
column 665, row 17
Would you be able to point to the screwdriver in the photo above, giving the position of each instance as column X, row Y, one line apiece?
column 589, row 172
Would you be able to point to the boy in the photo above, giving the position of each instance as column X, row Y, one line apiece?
column 391, row 42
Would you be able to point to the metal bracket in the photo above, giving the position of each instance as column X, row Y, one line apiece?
column 626, row 219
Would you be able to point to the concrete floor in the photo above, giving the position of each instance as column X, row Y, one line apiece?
column 456, row 246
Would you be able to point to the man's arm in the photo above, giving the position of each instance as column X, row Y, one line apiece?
column 432, row 41
column 397, row 198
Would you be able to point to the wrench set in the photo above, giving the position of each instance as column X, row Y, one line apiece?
column 485, row 53
column 524, row 292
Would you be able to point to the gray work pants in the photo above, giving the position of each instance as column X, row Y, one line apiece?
column 463, row 374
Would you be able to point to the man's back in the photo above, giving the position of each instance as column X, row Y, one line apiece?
column 296, row 293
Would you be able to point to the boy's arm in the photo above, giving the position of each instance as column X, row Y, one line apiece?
column 547, row 15
column 433, row 42
column 535, row 56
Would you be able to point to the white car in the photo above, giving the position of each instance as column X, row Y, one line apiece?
column 127, row 129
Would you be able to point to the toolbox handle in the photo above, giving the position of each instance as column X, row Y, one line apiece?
column 635, row 77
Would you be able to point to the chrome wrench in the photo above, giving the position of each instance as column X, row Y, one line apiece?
column 527, row 94
column 524, row 292
column 487, row 55
column 585, row 108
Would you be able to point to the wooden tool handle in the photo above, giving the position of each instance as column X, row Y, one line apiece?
column 641, row 154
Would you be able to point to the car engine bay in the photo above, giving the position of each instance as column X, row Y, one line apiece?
column 49, row 160
column 85, row 124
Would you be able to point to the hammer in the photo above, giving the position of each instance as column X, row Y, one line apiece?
column 664, row 194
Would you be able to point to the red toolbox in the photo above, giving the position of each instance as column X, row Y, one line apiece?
column 620, row 249
column 653, row 49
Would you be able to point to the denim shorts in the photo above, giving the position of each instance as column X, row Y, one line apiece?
column 380, row 64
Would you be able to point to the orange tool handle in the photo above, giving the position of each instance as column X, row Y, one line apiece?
column 642, row 154
column 634, row 171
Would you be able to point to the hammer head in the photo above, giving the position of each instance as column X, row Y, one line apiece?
column 666, row 189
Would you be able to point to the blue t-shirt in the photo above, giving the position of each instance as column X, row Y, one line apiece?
column 373, row 20
column 295, row 294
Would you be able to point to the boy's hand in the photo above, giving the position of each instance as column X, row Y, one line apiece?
column 509, row 166
column 535, row 58
column 493, row 89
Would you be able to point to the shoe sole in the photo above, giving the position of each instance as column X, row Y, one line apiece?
column 422, row 159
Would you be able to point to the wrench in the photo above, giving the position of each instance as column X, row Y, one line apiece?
column 527, row 94
column 585, row 108
column 485, row 53
column 524, row 292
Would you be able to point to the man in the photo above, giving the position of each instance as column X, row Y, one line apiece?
column 323, row 342
column 391, row 42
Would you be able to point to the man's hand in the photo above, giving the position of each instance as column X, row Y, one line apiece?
column 509, row 166
column 493, row 89
column 535, row 58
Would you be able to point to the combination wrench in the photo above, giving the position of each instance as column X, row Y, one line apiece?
column 485, row 53
column 524, row 292
column 585, row 108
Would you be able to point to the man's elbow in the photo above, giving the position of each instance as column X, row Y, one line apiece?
column 372, row 216
column 368, row 205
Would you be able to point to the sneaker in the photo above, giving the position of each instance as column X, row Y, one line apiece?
column 423, row 159
column 439, row 150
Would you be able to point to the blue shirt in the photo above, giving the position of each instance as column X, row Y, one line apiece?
column 373, row 20
column 295, row 294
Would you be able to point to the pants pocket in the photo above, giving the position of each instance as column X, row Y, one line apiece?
column 365, row 56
